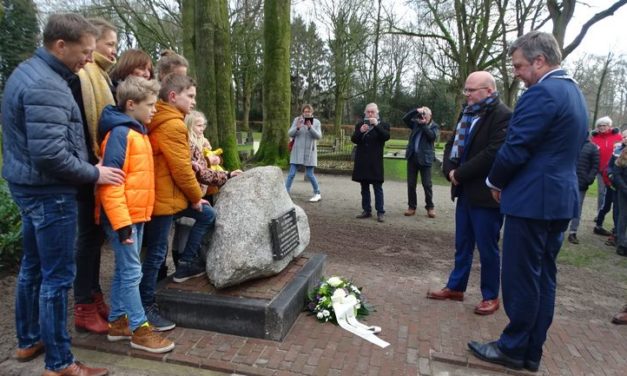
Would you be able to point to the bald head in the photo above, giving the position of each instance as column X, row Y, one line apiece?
column 479, row 85
column 482, row 78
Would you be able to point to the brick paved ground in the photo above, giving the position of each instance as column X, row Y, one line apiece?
column 423, row 333
column 419, row 330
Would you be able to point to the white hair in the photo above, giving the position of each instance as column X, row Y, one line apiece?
column 605, row 120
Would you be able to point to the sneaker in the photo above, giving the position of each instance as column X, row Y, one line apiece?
column 145, row 339
column 572, row 238
column 158, row 322
column 187, row 270
column 119, row 330
column 601, row 231
column 315, row 198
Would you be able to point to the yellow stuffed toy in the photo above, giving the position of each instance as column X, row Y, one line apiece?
column 214, row 160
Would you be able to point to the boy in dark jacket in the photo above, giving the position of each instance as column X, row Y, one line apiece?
column 587, row 167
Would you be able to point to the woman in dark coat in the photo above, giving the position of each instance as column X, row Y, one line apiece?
column 370, row 136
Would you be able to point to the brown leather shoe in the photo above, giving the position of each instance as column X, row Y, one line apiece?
column 446, row 293
column 409, row 212
column 29, row 353
column 431, row 213
column 487, row 307
column 621, row 317
column 87, row 319
column 77, row 369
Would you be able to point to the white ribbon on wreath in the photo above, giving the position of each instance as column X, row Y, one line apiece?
column 345, row 306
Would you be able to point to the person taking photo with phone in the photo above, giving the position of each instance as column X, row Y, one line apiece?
column 305, row 131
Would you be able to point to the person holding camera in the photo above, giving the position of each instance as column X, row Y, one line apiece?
column 305, row 131
column 420, row 155
column 369, row 137
column 468, row 157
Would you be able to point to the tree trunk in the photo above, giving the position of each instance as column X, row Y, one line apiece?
column 205, row 66
column 224, row 99
column 375, row 64
column 597, row 98
column 276, row 79
column 188, row 12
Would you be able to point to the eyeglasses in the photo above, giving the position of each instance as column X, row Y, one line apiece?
column 468, row 90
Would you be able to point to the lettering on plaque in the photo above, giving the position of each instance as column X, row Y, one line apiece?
column 284, row 232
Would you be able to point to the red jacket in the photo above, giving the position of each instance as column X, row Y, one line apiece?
column 605, row 142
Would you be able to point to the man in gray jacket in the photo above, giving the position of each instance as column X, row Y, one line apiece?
column 45, row 159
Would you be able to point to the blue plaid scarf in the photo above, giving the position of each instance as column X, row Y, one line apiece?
column 469, row 113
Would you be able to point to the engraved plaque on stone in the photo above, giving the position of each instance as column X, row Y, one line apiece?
column 284, row 233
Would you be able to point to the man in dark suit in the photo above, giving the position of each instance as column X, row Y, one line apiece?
column 534, row 178
column 468, row 156
column 420, row 154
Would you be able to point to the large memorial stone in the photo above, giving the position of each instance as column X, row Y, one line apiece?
column 242, row 246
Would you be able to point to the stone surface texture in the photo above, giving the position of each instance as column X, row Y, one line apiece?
column 241, row 246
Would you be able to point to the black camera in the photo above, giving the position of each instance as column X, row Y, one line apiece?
column 308, row 120
column 420, row 115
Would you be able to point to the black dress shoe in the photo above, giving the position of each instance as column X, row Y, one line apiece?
column 490, row 352
column 601, row 231
column 364, row 215
column 531, row 365
column 380, row 217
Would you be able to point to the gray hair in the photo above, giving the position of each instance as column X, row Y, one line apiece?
column 372, row 105
column 538, row 43
column 605, row 120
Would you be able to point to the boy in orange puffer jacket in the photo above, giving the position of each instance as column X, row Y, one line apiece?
column 123, row 209
column 177, row 193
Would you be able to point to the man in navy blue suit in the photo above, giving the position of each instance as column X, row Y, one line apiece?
column 534, row 178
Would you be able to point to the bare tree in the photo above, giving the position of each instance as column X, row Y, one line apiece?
column 562, row 12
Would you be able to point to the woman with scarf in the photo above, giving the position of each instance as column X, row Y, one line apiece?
column 90, row 310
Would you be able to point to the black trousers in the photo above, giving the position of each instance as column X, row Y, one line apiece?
column 425, row 178
column 89, row 241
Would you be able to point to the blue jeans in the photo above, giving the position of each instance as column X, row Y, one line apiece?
column 125, row 297
column 157, row 232
column 608, row 200
column 156, row 242
column 309, row 172
column 378, row 197
column 204, row 223
column 574, row 223
column 46, row 274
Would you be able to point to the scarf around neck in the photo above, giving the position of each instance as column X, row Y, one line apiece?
column 469, row 113
column 96, row 92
